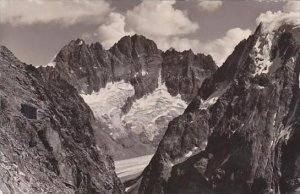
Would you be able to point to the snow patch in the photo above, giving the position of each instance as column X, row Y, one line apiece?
column 285, row 133
column 274, row 119
column 293, row 59
column 107, row 103
column 260, row 87
column 299, row 80
column 261, row 54
column 153, row 112
column 271, row 144
column 51, row 64
column 144, row 72
column 207, row 103
column 195, row 148
column 80, row 43
column 189, row 154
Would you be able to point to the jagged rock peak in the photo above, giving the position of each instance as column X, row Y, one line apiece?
column 5, row 52
column 134, row 45
column 11, row 60
column 4, row 49
column 77, row 42
column 173, row 51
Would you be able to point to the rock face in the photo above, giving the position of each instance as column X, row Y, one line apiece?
column 47, row 140
column 241, row 133
column 125, row 84
column 184, row 72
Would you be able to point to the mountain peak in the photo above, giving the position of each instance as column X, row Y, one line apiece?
column 134, row 45
column 8, row 55
column 5, row 51
column 77, row 42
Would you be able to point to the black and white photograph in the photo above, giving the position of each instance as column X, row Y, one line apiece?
column 149, row 97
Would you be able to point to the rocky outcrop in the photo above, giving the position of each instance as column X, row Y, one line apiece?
column 184, row 72
column 133, row 72
column 47, row 142
column 240, row 135
column 91, row 67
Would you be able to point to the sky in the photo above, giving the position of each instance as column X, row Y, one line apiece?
column 36, row 30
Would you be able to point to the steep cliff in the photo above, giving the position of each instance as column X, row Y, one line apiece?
column 47, row 142
column 240, row 134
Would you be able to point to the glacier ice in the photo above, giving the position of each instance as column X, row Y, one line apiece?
column 151, row 113
column 107, row 103
column 148, row 115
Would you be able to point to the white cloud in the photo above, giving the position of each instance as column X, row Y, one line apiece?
column 113, row 29
column 167, row 26
column 180, row 44
column 64, row 12
column 156, row 19
column 273, row 20
column 210, row 6
column 291, row 6
column 221, row 48
column 159, row 21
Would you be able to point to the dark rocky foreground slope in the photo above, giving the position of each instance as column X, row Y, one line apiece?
column 241, row 134
column 47, row 142
column 144, row 80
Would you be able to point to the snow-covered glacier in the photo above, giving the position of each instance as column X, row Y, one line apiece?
column 148, row 115
column 107, row 103
column 152, row 113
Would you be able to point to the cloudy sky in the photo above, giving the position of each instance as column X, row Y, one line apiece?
column 36, row 30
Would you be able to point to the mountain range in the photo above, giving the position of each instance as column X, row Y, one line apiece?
column 134, row 89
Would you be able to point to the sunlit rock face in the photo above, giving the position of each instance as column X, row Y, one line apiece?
column 240, row 134
column 134, row 89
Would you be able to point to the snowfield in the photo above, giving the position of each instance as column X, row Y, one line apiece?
column 153, row 112
column 148, row 115
column 107, row 103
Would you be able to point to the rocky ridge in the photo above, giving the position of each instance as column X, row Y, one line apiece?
column 47, row 140
column 241, row 133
